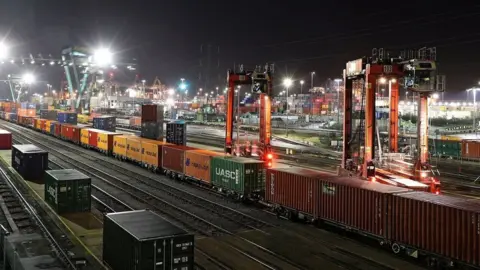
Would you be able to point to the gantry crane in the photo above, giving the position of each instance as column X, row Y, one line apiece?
column 417, row 74
column 260, row 80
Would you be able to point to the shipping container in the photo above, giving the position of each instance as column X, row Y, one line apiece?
column 58, row 129
column 5, row 140
column 49, row 114
column 48, row 124
column 173, row 158
column 71, row 133
column 82, row 118
column 120, row 146
column 241, row 176
column 177, row 133
column 470, row 149
column 295, row 188
column 92, row 138
column 105, row 122
column 29, row 161
column 197, row 164
column 152, row 113
column 152, row 130
column 26, row 251
column 135, row 121
column 39, row 123
column 152, row 153
column 134, row 149
column 144, row 240
column 67, row 118
column 443, row 225
column 68, row 191
column 105, row 141
column 84, row 136
column 53, row 126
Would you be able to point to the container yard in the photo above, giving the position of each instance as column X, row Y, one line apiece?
column 102, row 167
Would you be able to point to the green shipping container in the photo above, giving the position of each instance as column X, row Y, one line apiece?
column 68, row 191
column 241, row 176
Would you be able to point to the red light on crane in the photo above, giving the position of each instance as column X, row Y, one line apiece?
column 269, row 156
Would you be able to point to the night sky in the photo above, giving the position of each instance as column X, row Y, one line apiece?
column 298, row 36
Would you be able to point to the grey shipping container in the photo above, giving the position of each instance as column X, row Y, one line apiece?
column 29, row 161
column 105, row 122
column 177, row 133
column 144, row 240
column 48, row 114
column 68, row 191
column 29, row 252
column 242, row 176
column 152, row 130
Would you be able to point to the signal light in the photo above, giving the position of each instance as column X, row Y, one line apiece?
column 269, row 156
column 269, row 164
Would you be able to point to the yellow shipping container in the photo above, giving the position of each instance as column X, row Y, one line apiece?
column 82, row 118
column 84, row 136
column 46, row 128
column 105, row 140
column 134, row 147
column 120, row 145
column 152, row 152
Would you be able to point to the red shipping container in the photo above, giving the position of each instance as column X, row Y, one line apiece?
column 295, row 188
column 5, row 140
column 75, row 134
column 441, row 224
column 471, row 149
column 67, row 132
column 58, row 129
column 152, row 113
column 174, row 156
column 92, row 138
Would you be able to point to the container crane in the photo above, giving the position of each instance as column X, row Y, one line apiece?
column 417, row 74
column 260, row 80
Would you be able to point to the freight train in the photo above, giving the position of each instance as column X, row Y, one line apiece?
column 441, row 229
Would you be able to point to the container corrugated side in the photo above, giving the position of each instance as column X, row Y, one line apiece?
column 120, row 145
column 5, row 140
column 134, row 149
column 471, row 149
column 444, row 225
column 295, row 189
column 68, row 196
column 173, row 157
column 84, row 137
column 198, row 163
column 364, row 213
column 92, row 138
column 30, row 162
column 241, row 175
column 105, row 141
column 122, row 249
column 152, row 153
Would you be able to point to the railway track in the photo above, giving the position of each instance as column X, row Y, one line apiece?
column 122, row 185
column 30, row 218
column 123, row 190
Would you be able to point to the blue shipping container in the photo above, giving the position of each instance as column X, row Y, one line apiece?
column 31, row 106
column 107, row 123
column 67, row 117
column 24, row 105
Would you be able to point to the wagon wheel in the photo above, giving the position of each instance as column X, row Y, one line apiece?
column 396, row 248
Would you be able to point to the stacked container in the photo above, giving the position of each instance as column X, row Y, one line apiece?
column 5, row 140
column 105, row 122
column 144, row 240
column 67, row 118
column 68, row 191
column 152, row 122
column 29, row 161
column 49, row 114
column 177, row 133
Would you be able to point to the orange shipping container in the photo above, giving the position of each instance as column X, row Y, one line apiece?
column 134, row 147
column 135, row 121
column 152, row 153
column 31, row 112
column 197, row 164
column 470, row 149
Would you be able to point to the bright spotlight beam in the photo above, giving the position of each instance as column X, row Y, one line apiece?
column 28, row 78
column 103, row 57
column 3, row 51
